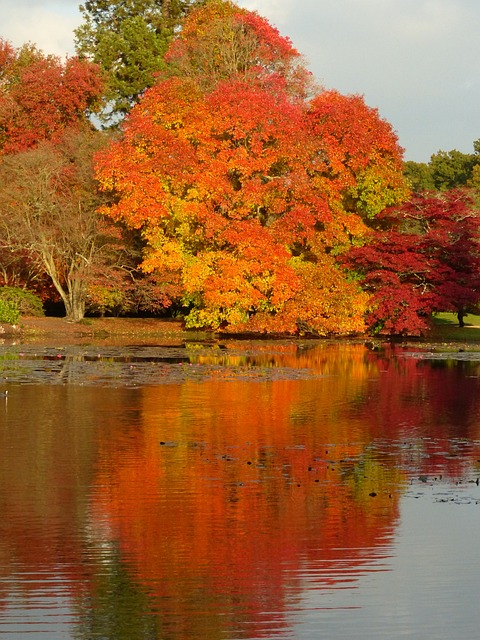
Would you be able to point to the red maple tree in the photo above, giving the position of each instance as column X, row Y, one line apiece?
column 424, row 257
column 41, row 96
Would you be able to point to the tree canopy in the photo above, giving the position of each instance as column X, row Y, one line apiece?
column 236, row 189
column 220, row 41
column 48, row 209
column 425, row 257
column 243, row 188
column 41, row 96
column 446, row 170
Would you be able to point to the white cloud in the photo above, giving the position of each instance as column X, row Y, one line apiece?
column 277, row 11
column 49, row 25
column 413, row 59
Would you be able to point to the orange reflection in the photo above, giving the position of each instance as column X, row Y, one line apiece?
column 225, row 499
column 232, row 491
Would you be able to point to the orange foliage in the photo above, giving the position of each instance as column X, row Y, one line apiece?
column 230, row 491
column 220, row 40
column 246, row 192
column 364, row 160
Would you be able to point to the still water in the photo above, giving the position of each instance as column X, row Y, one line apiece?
column 243, row 490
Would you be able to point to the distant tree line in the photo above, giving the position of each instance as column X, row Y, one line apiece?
column 446, row 170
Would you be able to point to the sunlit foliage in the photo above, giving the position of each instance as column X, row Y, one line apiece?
column 246, row 191
column 42, row 96
column 424, row 258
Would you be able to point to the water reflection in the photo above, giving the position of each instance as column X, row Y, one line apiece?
column 254, row 490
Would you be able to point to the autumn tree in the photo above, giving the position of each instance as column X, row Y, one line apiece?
column 18, row 270
column 48, row 209
column 128, row 41
column 41, row 96
column 357, row 156
column 221, row 41
column 244, row 190
column 118, row 286
column 423, row 258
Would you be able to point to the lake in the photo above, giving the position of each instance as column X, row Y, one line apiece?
column 236, row 490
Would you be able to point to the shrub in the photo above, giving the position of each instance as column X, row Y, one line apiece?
column 26, row 302
column 104, row 301
column 9, row 312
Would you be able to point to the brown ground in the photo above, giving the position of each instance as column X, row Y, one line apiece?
column 95, row 327
column 127, row 329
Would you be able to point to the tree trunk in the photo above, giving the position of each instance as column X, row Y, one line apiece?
column 461, row 315
column 75, row 309
column 74, row 298
column 73, row 293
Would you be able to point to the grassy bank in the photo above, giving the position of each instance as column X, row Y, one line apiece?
column 446, row 328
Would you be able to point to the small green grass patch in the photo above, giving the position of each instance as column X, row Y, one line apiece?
column 446, row 328
column 443, row 318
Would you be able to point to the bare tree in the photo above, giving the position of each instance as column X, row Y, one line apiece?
column 48, row 208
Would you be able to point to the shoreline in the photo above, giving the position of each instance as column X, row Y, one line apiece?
column 119, row 329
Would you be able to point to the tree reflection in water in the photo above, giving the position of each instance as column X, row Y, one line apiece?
column 207, row 509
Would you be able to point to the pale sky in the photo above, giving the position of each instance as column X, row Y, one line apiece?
column 415, row 60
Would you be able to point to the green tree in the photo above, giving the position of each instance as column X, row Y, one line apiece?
column 128, row 40
column 419, row 176
column 446, row 170
column 451, row 169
